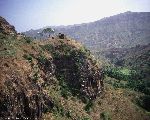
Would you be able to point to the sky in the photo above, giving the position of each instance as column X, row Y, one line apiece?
column 34, row 14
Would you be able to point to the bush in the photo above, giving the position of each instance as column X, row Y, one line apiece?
column 2, row 36
column 28, row 57
column 89, row 106
column 144, row 102
column 28, row 39
column 105, row 116
column 42, row 59
column 58, row 109
column 48, row 47
column 65, row 90
column 68, row 114
column 84, row 99
column 65, row 93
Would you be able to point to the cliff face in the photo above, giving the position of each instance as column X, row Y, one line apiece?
column 32, row 73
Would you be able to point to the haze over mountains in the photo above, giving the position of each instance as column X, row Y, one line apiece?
column 120, row 31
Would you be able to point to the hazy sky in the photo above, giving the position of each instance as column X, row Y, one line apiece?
column 27, row 14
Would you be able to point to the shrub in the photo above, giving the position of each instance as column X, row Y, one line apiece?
column 68, row 114
column 61, row 36
column 28, row 57
column 2, row 36
column 65, row 90
column 89, row 106
column 42, row 59
column 28, row 39
column 105, row 116
column 48, row 47
column 84, row 99
column 65, row 93
column 144, row 102
column 58, row 109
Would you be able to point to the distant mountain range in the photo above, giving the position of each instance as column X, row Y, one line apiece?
column 119, row 31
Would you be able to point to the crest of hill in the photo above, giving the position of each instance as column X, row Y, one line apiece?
column 5, row 27
column 124, row 30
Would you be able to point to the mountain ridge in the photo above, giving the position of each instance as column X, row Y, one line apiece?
column 119, row 31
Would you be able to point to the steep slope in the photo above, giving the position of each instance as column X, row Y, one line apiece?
column 123, row 30
column 30, row 71
column 132, row 69
column 22, row 79
column 137, row 58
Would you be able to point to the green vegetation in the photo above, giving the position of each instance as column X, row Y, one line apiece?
column 89, row 106
column 7, row 45
column 42, row 59
column 105, row 116
column 126, row 78
column 144, row 102
column 48, row 30
column 65, row 90
column 120, row 73
column 133, row 79
column 70, row 68
column 28, row 40
column 28, row 57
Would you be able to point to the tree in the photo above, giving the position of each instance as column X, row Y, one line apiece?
column 48, row 31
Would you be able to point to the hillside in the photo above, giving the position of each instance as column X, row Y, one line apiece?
column 34, row 74
column 134, row 57
column 58, row 79
column 119, row 31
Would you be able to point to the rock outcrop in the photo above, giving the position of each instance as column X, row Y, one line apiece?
column 5, row 27
column 76, row 66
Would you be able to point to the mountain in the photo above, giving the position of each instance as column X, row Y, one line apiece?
column 58, row 79
column 119, row 31
column 134, row 57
